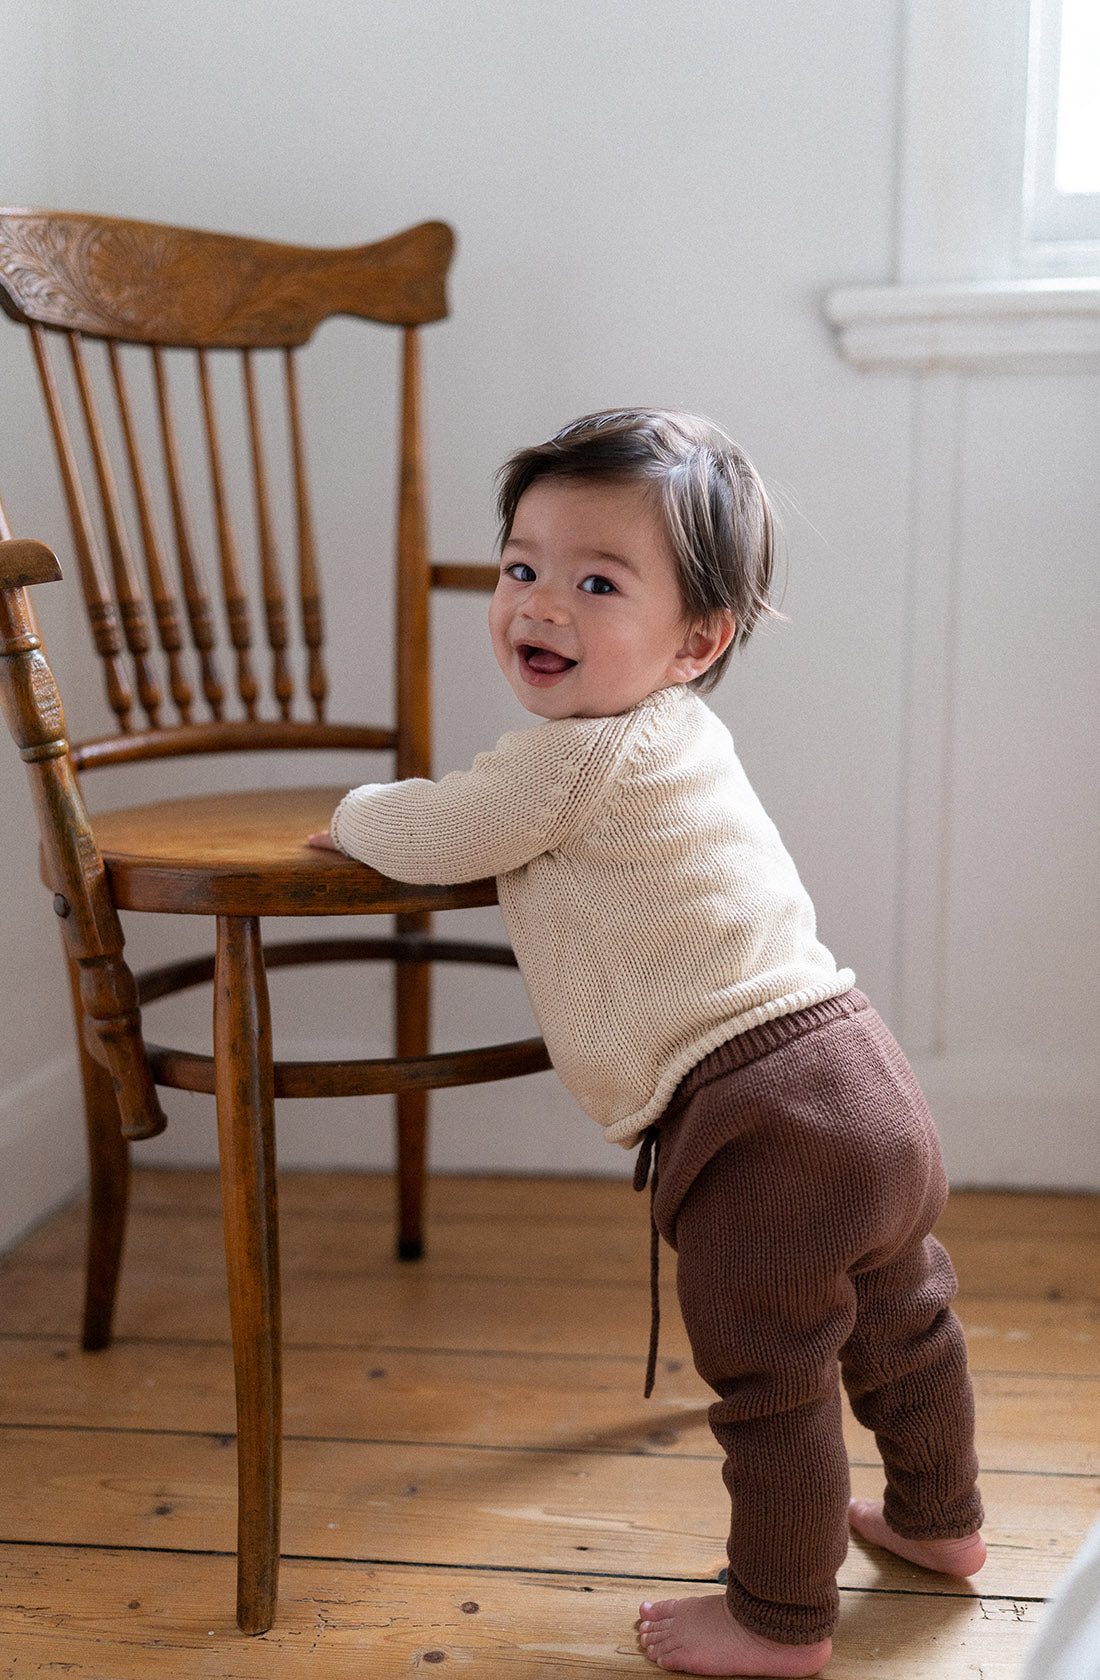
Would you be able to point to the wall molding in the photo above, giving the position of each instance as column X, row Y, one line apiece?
column 1012, row 326
column 935, row 523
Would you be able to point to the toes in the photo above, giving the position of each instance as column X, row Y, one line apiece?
column 652, row 1645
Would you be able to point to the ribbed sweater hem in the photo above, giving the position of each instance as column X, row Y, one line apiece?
column 741, row 1031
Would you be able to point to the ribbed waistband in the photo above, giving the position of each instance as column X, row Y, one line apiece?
column 750, row 1046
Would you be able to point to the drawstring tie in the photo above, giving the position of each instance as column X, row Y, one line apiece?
column 649, row 1158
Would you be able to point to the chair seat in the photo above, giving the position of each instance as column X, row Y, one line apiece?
column 245, row 854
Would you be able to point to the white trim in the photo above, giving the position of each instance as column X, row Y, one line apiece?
column 967, row 157
column 1021, row 326
column 964, row 70
column 1056, row 220
column 924, row 859
column 1022, row 1121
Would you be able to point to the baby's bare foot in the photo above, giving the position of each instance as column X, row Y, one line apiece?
column 700, row 1636
column 964, row 1556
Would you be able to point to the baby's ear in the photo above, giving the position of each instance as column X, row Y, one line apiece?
column 704, row 643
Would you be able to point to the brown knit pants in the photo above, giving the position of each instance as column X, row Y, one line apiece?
column 800, row 1175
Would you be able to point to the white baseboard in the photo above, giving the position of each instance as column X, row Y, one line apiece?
column 42, row 1151
column 1022, row 1122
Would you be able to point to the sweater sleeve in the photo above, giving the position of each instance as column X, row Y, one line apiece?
column 512, row 804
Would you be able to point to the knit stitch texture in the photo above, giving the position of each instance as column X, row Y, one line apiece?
column 653, row 909
column 800, row 1179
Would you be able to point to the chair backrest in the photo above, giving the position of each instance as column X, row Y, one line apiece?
column 73, row 278
column 72, row 865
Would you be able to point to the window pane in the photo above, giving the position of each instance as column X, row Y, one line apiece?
column 1077, row 162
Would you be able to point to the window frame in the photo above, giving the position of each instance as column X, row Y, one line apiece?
column 968, row 148
column 1053, row 219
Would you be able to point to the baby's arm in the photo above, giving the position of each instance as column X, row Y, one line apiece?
column 496, row 816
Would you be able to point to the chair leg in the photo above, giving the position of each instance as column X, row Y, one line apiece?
column 413, row 1004
column 244, row 1084
column 108, row 1190
column 412, row 1133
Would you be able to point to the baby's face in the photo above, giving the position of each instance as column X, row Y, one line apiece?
column 587, row 618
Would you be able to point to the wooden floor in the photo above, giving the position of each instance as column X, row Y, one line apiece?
column 473, row 1480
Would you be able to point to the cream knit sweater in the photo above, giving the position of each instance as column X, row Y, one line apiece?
column 652, row 907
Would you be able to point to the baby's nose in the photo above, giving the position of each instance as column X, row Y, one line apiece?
column 546, row 603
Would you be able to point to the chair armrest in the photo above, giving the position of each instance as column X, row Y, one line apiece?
column 72, row 865
column 24, row 561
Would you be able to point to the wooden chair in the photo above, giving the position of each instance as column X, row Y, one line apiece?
column 234, row 857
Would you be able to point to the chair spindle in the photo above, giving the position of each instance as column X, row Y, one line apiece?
column 128, row 594
column 165, row 607
column 194, row 590
column 233, row 591
column 102, row 613
column 274, row 600
column 309, row 583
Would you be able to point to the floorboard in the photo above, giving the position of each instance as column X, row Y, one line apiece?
column 358, row 1622
column 473, row 1480
column 1025, row 1421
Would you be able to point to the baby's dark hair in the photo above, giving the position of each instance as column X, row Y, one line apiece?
column 715, row 509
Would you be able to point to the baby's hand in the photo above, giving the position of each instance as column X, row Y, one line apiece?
column 323, row 841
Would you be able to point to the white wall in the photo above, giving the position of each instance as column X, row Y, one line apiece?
column 1006, row 1042
column 650, row 202
column 41, row 1150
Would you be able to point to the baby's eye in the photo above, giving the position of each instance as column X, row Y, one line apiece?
column 521, row 571
column 597, row 585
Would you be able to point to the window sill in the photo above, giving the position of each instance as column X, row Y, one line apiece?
column 1023, row 326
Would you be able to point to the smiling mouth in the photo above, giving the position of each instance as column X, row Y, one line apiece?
column 543, row 662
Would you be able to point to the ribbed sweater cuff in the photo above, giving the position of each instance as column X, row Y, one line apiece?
column 343, row 820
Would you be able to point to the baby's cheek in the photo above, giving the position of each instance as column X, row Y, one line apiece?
column 497, row 633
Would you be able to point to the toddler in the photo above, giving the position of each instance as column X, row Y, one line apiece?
column 670, row 952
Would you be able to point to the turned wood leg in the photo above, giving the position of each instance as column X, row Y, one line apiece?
column 413, row 1007
column 246, row 1141
column 412, row 1132
column 108, row 1188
